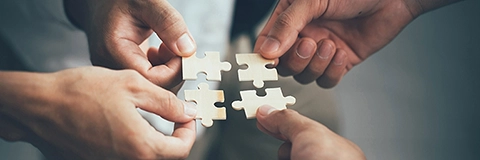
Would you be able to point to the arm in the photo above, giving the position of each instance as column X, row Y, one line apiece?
column 90, row 113
column 304, row 138
column 321, row 40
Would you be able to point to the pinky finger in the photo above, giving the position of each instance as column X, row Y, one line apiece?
column 335, row 70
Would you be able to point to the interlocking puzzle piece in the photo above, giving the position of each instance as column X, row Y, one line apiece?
column 256, row 70
column 205, row 100
column 210, row 65
column 251, row 102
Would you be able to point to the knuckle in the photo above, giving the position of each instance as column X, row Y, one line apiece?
column 284, row 20
column 132, row 79
column 170, row 20
column 170, row 103
column 132, row 76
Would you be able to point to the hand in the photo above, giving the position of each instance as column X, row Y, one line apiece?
column 320, row 40
column 90, row 113
column 304, row 138
column 116, row 28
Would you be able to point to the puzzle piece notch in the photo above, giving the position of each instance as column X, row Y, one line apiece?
column 251, row 102
column 210, row 65
column 205, row 99
column 256, row 70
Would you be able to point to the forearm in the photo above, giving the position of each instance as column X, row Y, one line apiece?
column 22, row 93
column 419, row 7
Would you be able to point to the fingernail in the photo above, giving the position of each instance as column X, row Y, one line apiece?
column 185, row 44
column 325, row 50
column 270, row 45
column 305, row 49
column 189, row 109
column 339, row 58
column 266, row 110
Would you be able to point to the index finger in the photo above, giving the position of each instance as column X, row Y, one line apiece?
column 284, row 25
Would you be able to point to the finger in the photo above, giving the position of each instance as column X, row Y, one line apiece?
column 319, row 62
column 160, row 55
column 335, row 71
column 297, row 58
column 284, row 25
column 167, row 73
column 178, row 145
column 169, row 26
column 284, row 151
column 165, row 104
column 286, row 122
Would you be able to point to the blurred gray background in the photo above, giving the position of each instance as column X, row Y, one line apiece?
column 415, row 99
column 418, row 98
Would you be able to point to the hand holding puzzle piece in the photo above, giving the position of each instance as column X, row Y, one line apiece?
column 212, row 67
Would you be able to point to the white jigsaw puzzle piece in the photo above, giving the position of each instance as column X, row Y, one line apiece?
column 210, row 65
column 251, row 102
column 205, row 99
column 256, row 70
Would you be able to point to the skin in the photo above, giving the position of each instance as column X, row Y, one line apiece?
column 91, row 113
column 116, row 28
column 78, row 114
column 304, row 138
column 321, row 40
column 88, row 116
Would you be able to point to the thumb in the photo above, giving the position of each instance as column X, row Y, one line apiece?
column 170, row 27
column 165, row 104
column 284, row 25
column 282, row 124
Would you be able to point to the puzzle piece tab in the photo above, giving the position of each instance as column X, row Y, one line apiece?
column 205, row 100
column 256, row 70
column 210, row 65
column 251, row 102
